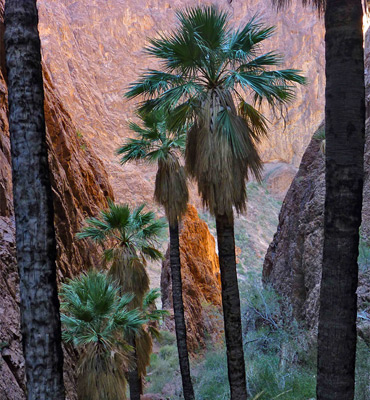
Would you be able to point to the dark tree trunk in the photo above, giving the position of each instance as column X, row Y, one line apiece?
column 345, row 127
column 231, row 307
column 134, row 379
column 178, row 308
column 33, row 206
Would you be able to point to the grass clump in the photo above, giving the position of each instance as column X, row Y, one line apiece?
column 164, row 365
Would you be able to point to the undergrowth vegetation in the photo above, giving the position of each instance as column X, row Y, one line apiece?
column 280, row 355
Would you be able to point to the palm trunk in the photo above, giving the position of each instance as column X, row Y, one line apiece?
column 178, row 308
column 134, row 379
column 231, row 307
column 345, row 118
column 33, row 206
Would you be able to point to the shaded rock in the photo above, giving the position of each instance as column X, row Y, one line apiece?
column 200, row 280
column 80, row 186
column 294, row 258
column 278, row 178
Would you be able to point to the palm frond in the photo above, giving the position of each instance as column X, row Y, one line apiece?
column 93, row 311
column 151, row 296
column 131, row 275
column 214, row 66
column 242, row 44
column 207, row 24
column 152, row 83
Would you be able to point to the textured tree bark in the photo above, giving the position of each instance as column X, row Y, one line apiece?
column 345, row 129
column 231, row 307
column 33, row 205
column 178, row 308
column 134, row 379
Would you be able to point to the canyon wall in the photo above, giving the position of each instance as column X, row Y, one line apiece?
column 80, row 186
column 93, row 49
column 294, row 258
column 201, row 284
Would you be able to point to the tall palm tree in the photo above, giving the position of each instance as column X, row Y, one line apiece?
column 33, row 204
column 95, row 320
column 344, row 132
column 212, row 79
column 129, row 239
column 154, row 143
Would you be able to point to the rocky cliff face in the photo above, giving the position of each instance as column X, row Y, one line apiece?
column 93, row 49
column 294, row 258
column 80, row 186
column 200, row 280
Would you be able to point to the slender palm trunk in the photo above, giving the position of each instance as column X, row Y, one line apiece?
column 231, row 307
column 345, row 118
column 178, row 308
column 134, row 379
column 33, row 205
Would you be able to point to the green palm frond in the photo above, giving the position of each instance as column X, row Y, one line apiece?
column 157, row 143
column 213, row 82
column 120, row 226
column 150, row 298
column 93, row 311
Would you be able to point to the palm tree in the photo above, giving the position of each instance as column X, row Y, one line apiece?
column 344, row 131
column 33, row 204
column 212, row 79
column 154, row 143
column 96, row 320
column 130, row 239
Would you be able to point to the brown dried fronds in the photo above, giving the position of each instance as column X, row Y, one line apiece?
column 130, row 273
column 221, row 153
column 171, row 190
column 101, row 373
column 320, row 4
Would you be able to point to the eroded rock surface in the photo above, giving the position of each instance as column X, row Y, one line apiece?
column 200, row 281
column 80, row 186
column 93, row 49
column 294, row 259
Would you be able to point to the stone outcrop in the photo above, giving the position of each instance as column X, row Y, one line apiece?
column 80, row 186
column 294, row 259
column 200, row 281
column 93, row 50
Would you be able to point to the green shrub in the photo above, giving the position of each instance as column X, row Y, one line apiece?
column 163, row 367
column 211, row 381
column 362, row 371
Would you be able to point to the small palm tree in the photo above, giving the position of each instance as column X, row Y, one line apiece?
column 129, row 238
column 155, row 143
column 95, row 320
column 214, row 80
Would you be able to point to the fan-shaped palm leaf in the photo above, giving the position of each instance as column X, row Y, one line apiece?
column 214, row 80
column 95, row 319
column 156, row 143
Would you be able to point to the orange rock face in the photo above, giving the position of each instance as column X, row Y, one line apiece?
column 200, row 280
column 80, row 186
column 93, row 49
